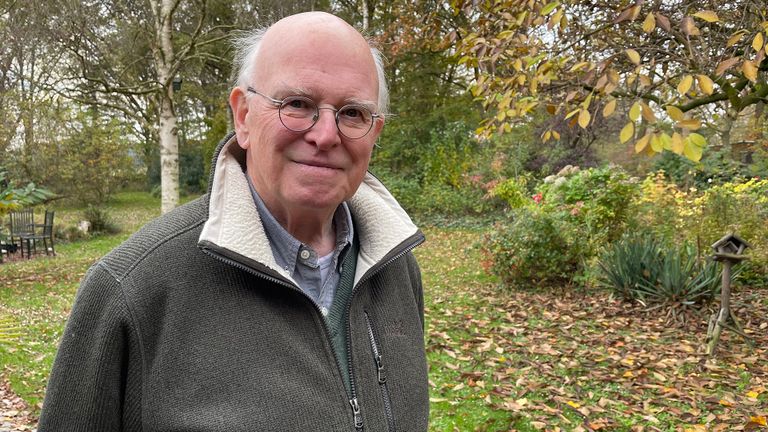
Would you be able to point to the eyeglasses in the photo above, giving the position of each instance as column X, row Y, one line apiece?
column 299, row 113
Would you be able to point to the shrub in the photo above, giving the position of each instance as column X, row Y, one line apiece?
column 95, row 160
column 68, row 233
column 437, row 200
column 101, row 221
column 513, row 191
column 662, row 208
column 679, row 216
column 682, row 279
column 554, row 234
column 595, row 202
column 534, row 247
column 740, row 207
column 715, row 168
column 13, row 198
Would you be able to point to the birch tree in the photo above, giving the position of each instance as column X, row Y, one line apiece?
column 126, row 57
column 165, row 60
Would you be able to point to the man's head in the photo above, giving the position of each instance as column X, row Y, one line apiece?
column 321, row 58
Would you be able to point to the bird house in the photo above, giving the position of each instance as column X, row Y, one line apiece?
column 730, row 248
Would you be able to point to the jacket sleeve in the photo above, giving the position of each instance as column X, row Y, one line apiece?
column 95, row 369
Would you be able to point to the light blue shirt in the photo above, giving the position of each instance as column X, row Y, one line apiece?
column 317, row 277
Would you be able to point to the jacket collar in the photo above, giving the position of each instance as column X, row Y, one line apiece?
column 234, row 225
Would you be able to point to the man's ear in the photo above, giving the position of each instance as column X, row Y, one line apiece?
column 238, row 102
column 378, row 126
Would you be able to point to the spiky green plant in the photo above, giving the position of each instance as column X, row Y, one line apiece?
column 629, row 263
column 683, row 279
column 641, row 268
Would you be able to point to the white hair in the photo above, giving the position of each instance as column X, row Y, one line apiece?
column 247, row 50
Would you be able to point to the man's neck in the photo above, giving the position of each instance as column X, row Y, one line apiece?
column 317, row 233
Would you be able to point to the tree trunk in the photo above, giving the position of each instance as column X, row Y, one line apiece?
column 169, row 154
column 725, row 137
column 169, row 140
column 366, row 18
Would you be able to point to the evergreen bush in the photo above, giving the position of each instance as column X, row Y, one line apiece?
column 628, row 264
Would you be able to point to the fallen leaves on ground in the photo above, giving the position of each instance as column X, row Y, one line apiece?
column 576, row 359
column 14, row 415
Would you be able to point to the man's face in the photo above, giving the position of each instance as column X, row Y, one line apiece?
column 314, row 170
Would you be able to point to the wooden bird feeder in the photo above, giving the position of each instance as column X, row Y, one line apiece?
column 729, row 250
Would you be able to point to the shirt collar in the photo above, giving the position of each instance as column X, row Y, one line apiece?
column 285, row 247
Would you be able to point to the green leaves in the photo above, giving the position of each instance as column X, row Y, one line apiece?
column 694, row 146
column 12, row 197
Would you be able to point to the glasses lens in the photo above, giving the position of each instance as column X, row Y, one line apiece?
column 298, row 113
column 354, row 121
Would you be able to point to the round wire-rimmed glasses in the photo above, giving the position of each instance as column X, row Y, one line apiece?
column 299, row 114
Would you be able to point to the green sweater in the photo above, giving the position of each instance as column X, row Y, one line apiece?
column 190, row 326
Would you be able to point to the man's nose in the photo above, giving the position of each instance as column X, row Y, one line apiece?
column 325, row 132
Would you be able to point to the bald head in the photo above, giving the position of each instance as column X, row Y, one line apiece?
column 261, row 54
column 312, row 23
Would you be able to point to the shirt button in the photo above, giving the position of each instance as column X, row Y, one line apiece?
column 324, row 311
column 304, row 254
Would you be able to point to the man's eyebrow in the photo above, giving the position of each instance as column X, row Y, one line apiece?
column 285, row 91
column 362, row 102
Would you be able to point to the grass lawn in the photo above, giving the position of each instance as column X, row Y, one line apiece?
column 568, row 359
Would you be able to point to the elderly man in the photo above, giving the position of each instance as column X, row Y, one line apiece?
column 287, row 298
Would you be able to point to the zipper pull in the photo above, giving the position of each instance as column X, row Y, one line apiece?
column 380, row 372
column 356, row 412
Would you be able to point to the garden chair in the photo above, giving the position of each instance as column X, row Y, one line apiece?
column 22, row 223
column 4, row 249
column 46, row 235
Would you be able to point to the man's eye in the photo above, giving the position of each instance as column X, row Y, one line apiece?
column 351, row 112
column 297, row 103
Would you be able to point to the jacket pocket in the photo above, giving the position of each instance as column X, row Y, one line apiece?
column 381, row 374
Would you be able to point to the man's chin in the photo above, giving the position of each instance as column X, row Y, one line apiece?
column 318, row 199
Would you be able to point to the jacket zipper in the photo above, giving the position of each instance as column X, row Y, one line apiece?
column 356, row 414
column 381, row 374
column 371, row 271
column 353, row 402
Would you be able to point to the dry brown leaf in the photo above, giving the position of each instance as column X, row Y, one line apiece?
column 688, row 27
column 725, row 65
column 663, row 22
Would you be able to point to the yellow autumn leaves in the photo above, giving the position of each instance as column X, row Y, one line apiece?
column 521, row 71
column 653, row 141
column 684, row 140
column 705, row 84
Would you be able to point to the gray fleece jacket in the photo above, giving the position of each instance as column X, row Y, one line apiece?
column 190, row 325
